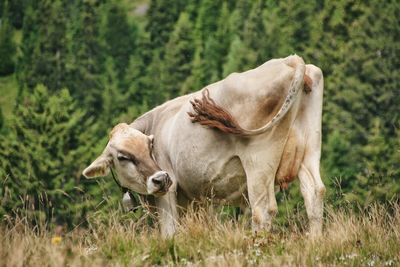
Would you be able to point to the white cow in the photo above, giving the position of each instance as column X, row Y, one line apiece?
column 232, row 141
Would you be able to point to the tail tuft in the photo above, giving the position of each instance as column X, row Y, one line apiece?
column 209, row 114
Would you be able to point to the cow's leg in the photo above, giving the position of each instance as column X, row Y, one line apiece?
column 313, row 191
column 168, row 214
column 261, row 192
column 311, row 184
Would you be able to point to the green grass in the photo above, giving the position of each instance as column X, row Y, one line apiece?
column 206, row 239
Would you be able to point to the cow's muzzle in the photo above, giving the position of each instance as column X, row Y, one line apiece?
column 159, row 183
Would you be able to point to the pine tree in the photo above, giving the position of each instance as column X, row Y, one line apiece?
column 44, row 45
column 162, row 16
column 192, row 9
column 326, row 49
column 254, row 37
column 206, row 21
column 138, row 94
column 15, row 10
column 154, row 92
column 223, row 38
column 235, row 60
column 135, row 80
column 41, row 158
column 241, row 36
column 197, row 79
column 7, row 45
column 377, row 150
column 339, row 161
column 178, row 57
column 1, row 120
column 113, row 99
column 86, row 55
column 380, row 172
column 361, row 89
column 339, row 167
column 205, row 65
column 239, row 17
column 120, row 36
column 376, row 65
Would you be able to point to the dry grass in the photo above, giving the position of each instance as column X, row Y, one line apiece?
column 369, row 239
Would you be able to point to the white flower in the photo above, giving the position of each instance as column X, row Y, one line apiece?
column 389, row 263
column 352, row 255
column 90, row 250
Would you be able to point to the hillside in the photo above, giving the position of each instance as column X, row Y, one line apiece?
column 209, row 238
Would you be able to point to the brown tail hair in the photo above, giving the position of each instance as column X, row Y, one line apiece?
column 208, row 113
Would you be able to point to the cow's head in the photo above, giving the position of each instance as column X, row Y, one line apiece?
column 130, row 152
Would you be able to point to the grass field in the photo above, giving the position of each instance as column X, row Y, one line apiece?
column 205, row 238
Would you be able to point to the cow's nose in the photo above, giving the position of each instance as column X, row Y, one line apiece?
column 159, row 183
column 161, row 180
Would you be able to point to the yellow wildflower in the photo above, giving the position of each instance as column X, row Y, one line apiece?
column 55, row 240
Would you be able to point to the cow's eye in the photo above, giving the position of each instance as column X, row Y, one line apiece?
column 122, row 158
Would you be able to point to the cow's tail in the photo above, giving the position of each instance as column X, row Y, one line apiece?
column 208, row 113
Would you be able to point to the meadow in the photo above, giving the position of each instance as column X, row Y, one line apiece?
column 207, row 237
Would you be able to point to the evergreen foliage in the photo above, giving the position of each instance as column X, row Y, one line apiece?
column 254, row 36
column 1, row 120
column 235, row 59
column 15, row 10
column 178, row 58
column 162, row 18
column 7, row 45
column 86, row 55
column 120, row 37
column 44, row 48
column 135, row 81
column 112, row 98
column 45, row 150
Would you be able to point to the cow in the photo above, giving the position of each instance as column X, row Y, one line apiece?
column 233, row 141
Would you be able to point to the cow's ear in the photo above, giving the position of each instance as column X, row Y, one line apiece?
column 99, row 167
